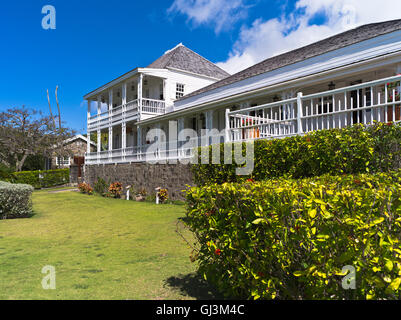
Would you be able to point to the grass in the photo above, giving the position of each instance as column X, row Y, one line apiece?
column 101, row 249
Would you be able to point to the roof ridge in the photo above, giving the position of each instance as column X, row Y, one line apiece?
column 176, row 47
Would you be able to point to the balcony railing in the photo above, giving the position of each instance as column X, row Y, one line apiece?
column 128, row 111
column 366, row 103
column 171, row 150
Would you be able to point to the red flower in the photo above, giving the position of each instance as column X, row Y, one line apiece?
column 356, row 181
column 261, row 274
column 250, row 180
column 218, row 252
column 389, row 124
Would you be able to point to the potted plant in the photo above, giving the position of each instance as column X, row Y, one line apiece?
column 141, row 195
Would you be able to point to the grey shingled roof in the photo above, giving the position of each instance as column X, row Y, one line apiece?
column 185, row 59
column 333, row 43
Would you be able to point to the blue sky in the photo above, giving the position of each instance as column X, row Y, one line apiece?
column 95, row 41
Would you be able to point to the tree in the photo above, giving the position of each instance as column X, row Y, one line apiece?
column 25, row 132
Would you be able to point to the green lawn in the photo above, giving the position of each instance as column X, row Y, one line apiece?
column 101, row 248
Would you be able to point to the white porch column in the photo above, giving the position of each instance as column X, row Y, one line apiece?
column 99, row 105
column 124, row 93
column 299, row 113
column 180, row 129
column 99, row 144
column 99, row 140
column 139, row 141
column 88, row 145
column 123, row 135
column 165, row 89
column 110, row 100
column 110, row 138
column 140, row 87
column 123, row 138
column 227, row 128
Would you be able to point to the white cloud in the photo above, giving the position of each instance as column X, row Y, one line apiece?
column 219, row 13
column 267, row 38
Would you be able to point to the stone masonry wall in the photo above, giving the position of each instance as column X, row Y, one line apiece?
column 173, row 177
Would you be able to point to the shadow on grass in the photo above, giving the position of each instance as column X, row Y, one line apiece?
column 27, row 216
column 195, row 286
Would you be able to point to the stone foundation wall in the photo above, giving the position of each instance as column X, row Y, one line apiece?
column 173, row 177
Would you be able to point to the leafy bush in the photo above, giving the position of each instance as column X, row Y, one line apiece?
column 290, row 239
column 116, row 189
column 41, row 179
column 101, row 186
column 5, row 172
column 15, row 200
column 352, row 150
column 85, row 188
column 163, row 195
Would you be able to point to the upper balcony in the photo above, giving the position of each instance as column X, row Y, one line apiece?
column 137, row 98
column 131, row 111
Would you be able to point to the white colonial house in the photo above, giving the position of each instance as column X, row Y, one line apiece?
column 353, row 77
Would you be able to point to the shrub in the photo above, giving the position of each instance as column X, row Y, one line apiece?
column 41, row 179
column 85, row 188
column 352, row 150
column 142, row 192
column 163, row 195
column 100, row 186
column 15, row 200
column 5, row 172
column 290, row 239
column 116, row 189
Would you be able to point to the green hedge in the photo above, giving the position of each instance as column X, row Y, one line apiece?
column 352, row 150
column 42, row 179
column 290, row 239
column 15, row 200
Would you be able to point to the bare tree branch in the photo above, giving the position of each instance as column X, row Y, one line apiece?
column 58, row 107
column 50, row 108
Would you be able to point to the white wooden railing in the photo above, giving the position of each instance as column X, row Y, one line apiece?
column 129, row 111
column 170, row 150
column 366, row 103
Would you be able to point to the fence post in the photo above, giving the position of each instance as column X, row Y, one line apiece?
column 228, row 129
column 299, row 113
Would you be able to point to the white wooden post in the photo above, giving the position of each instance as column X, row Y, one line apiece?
column 139, row 141
column 227, row 129
column 181, row 127
column 110, row 100
column 124, row 94
column 299, row 113
column 140, row 86
column 99, row 105
column 165, row 84
column 110, row 142
column 99, row 140
column 88, row 145
column 123, row 138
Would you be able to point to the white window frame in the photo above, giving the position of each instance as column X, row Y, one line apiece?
column 180, row 90
column 64, row 162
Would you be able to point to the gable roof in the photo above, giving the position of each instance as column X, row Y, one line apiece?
column 338, row 41
column 77, row 137
column 185, row 59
